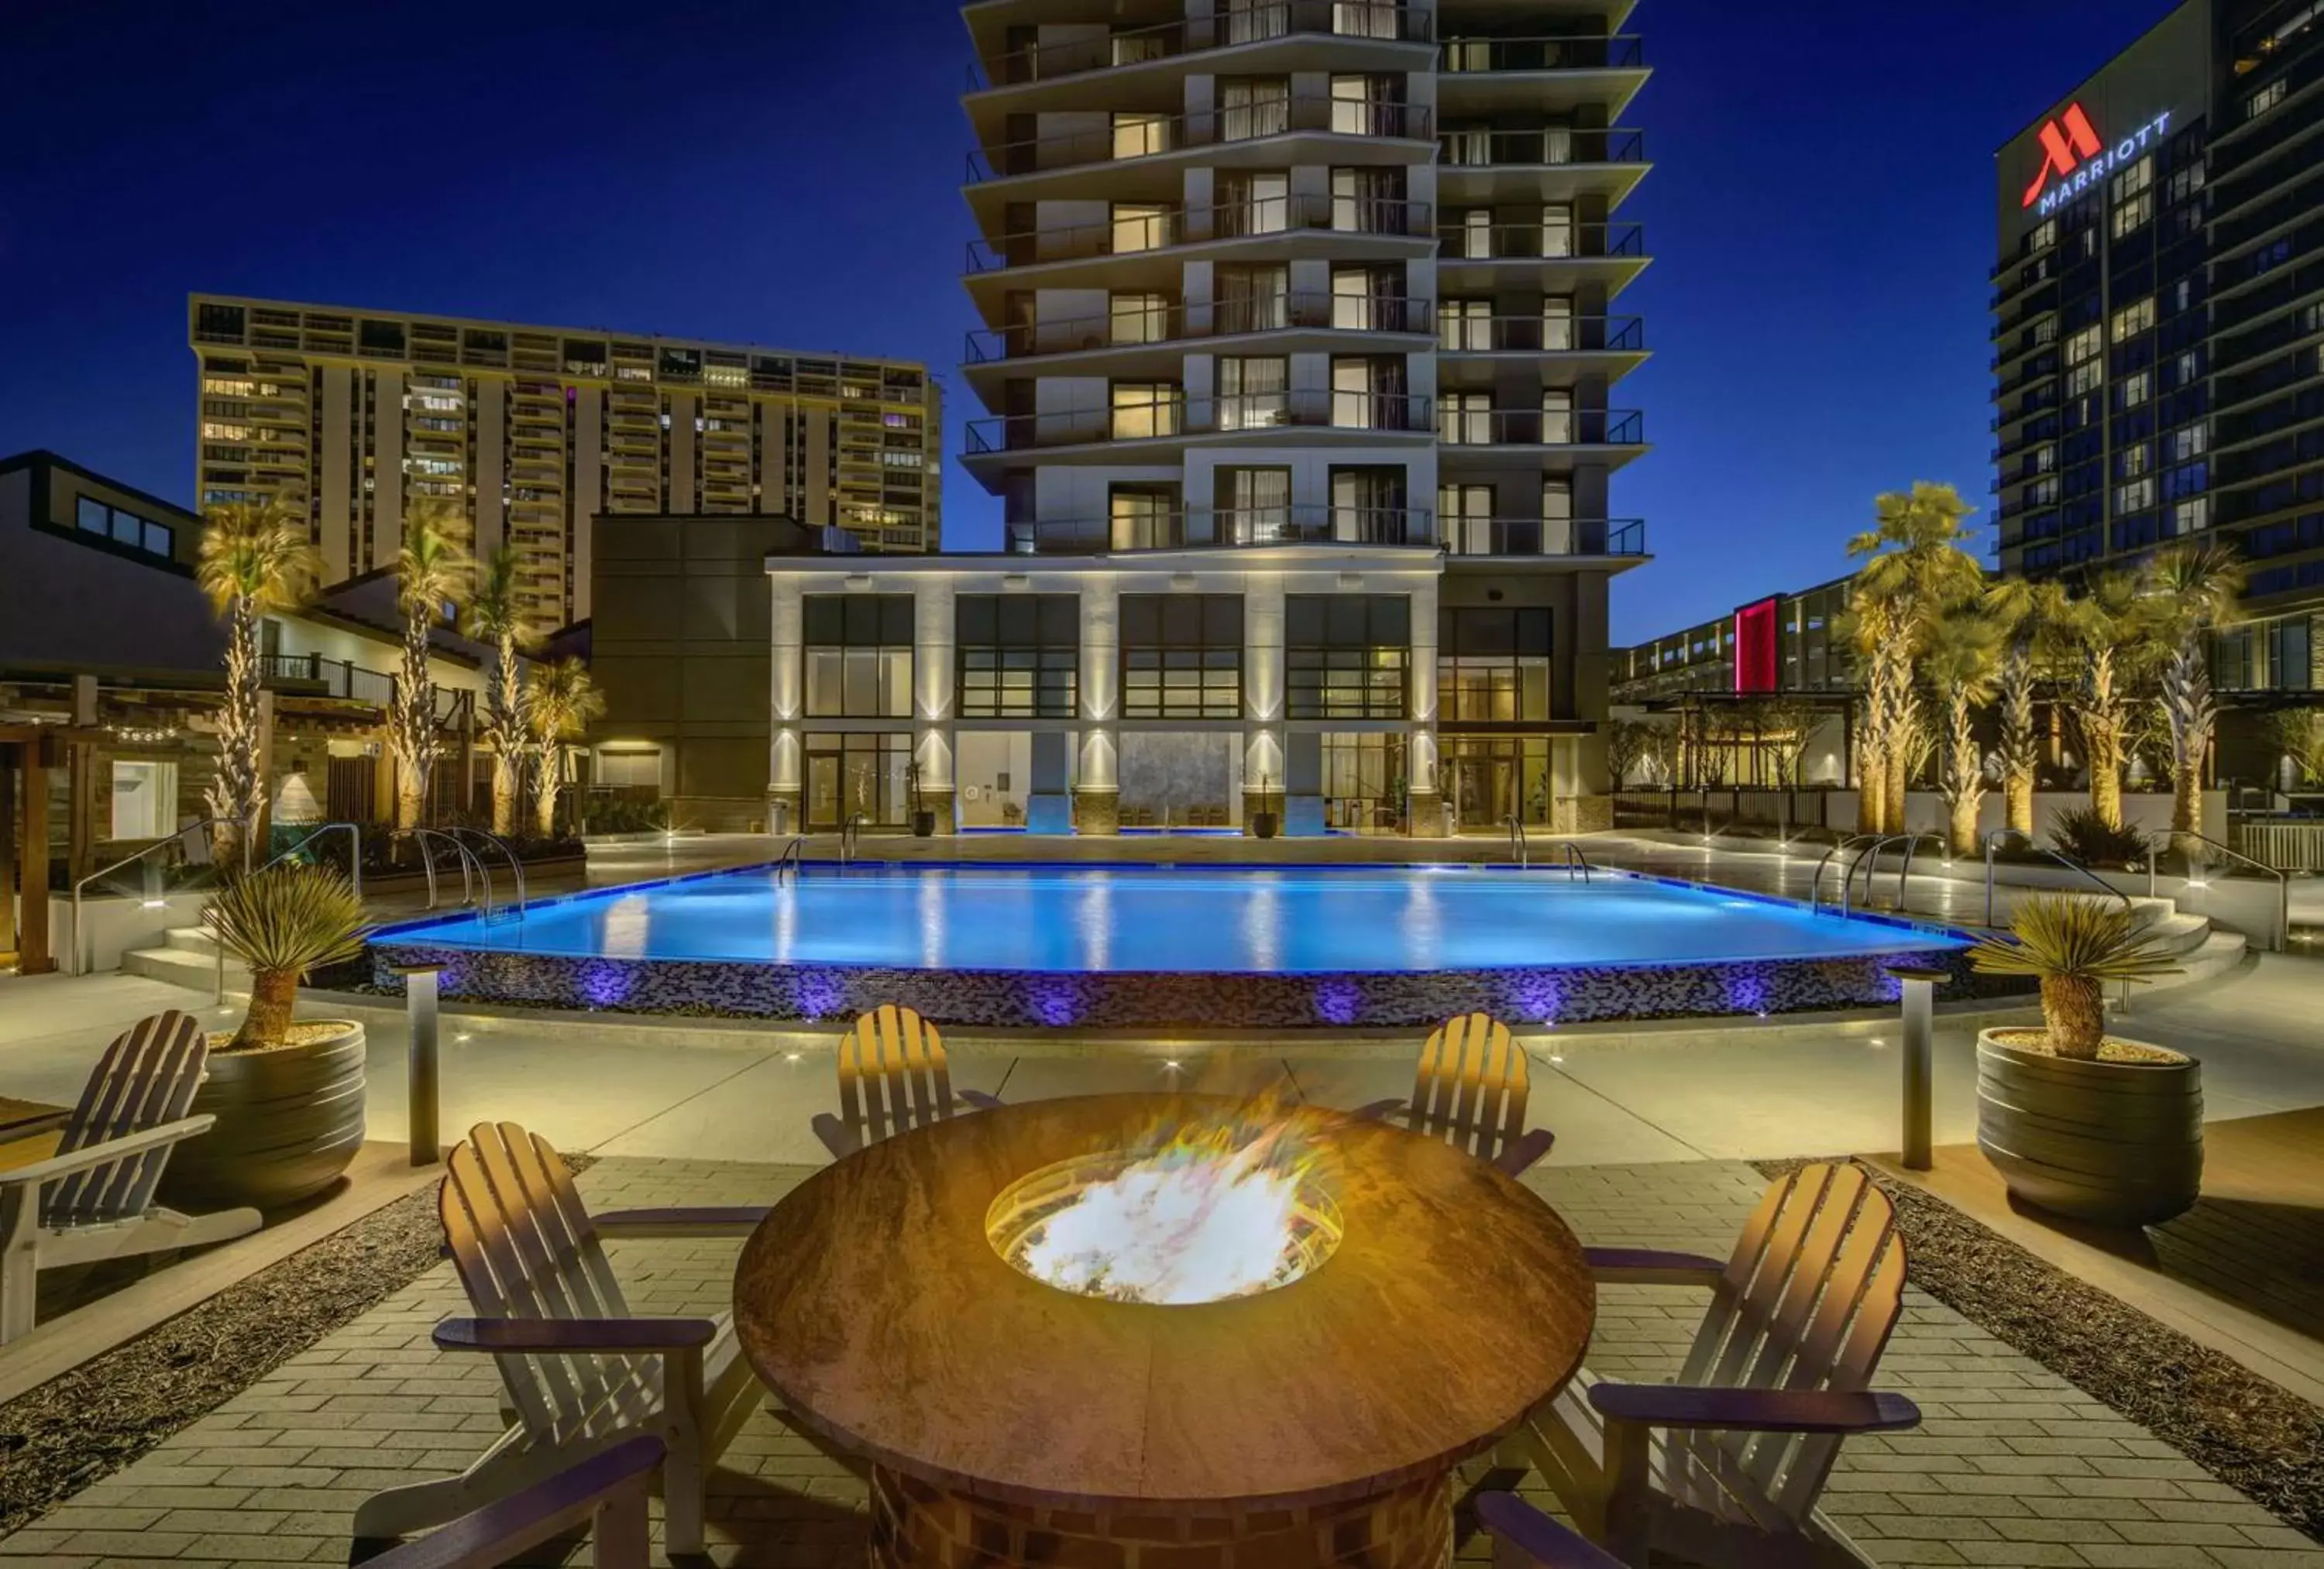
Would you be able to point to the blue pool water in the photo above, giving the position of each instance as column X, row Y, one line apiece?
column 1123, row 919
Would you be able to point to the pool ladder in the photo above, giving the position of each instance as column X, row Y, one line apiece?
column 1521, row 851
column 792, row 860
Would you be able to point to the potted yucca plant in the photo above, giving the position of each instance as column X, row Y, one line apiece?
column 2077, row 1121
column 288, row 1096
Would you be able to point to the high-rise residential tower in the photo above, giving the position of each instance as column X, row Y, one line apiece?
column 527, row 432
column 1266, row 277
column 2159, row 331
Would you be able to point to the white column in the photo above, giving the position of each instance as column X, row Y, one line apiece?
column 1264, row 760
column 1424, row 802
column 1098, row 787
column 786, row 701
column 935, row 706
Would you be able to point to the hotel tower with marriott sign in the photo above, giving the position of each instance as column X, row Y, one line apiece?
column 2159, row 322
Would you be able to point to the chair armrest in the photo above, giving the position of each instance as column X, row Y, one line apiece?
column 724, row 1220
column 1509, row 1518
column 128, row 1144
column 981, row 1099
column 1524, row 1150
column 1651, row 1267
column 836, row 1136
column 558, row 1336
column 533, row 1515
column 1378, row 1110
column 1688, row 1407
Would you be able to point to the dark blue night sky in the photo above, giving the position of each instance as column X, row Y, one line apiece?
column 1820, row 211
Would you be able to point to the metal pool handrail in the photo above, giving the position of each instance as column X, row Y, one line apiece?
column 516, row 863
column 73, row 950
column 1575, row 862
column 2282, row 883
column 793, row 859
column 2071, row 864
column 354, row 857
column 850, row 834
column 1911, row 841
column 469, row 862
column 1519, row 851
column 1815, row 883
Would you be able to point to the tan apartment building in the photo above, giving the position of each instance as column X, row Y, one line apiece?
column 1274, row 282
column 530, row 432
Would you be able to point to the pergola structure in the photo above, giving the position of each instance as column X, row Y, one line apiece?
column 30, row 756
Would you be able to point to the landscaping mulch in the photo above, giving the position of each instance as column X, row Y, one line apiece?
column 2257, row 1436
column 85, row 1424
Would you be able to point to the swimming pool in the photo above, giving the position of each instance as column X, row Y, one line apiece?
column 1276, row 946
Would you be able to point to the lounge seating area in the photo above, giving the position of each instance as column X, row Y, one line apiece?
column 1733, row 1375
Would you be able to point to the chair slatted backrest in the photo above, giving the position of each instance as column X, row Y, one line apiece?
column 1808, row 1299
column 1472, row 1087
column 892, row 1073
column 525, row 1248
column 145, row 1078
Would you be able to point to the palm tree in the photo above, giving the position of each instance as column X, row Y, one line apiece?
column 498, row 614
column 1962, row 663
column 1914, row 570
column 564, row 701
column 2074, row 945
column 2189, row 589
column 2028, row 651
column 254, row 558
column 432, row 574
column 2099, row 630
column 283, row 922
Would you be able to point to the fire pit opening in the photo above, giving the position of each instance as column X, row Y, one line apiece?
column 1211, row 1214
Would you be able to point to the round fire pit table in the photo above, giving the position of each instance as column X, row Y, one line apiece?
column 1009, row 1422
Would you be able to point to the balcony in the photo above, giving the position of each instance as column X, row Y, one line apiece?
column 1615, row 337
column 1163, row 231
column 1226, row 527
column 1480, row 428
column 1552, row 163
column 1175, row 323
column 1146, row 137
column 1368, row 414
column 1531, row 75
column 1376, row 19
column 1625, row 537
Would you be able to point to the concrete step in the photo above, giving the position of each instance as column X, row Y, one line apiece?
column 2177, row 931
column 2220, row 952
column 190, row 940
column 179, row 966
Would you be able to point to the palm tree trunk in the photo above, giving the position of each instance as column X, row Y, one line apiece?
column 1872, row 790
column 1964, row 814
column 2186, row 802
column 2017, row 801
column 410, row 797
column 504, row 788
column 273, row 992
column 2105, row 779
column 545, row 787
column 2075, row 1009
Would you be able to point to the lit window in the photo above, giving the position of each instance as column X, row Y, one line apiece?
column 2266, row 98
column 2133, row 215
column 2134, row 319
column 2134, row 497
column 2137, row 177
column 212, row 431
column 2134, row 389
column 2085, row 345
column 2085, row 378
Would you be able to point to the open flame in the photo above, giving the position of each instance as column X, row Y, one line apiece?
column 1217, row 1212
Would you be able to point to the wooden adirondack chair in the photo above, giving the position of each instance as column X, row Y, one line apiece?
column 1526, row 1538
column 606, row 1492
column 93, row 1199
column 580, row 1372
column 893, row 1077
column 1470, row 1092
column 1725, row 1467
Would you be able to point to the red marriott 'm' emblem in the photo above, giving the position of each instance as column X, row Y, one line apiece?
column 2065, row 142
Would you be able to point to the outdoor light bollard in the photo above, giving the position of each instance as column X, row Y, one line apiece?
column 1919, row 985
column 419, row 1013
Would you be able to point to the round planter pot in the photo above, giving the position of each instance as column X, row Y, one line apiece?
column 2120, row 1144
column 288, row 1122
column 1262, row 824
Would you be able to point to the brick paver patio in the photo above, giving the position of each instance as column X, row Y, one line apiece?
column 2012, row 1466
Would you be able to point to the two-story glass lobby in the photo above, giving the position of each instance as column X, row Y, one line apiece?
column 1351, row 688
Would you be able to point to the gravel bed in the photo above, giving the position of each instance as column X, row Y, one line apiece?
column 85, row 1424
column 2259, row 1438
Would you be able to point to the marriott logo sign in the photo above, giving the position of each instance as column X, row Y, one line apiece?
column 2074, row 157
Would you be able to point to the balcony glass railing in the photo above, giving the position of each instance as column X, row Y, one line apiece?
column 1462, row 426
column 1542, row 536
column 1460, row 333
column 1538, row 242
column 1465, row 56
column 1226, row 527
column 1552, row 146
column 340, row 678
column 1133, row 46
column 1134, row 325
column 1134, row 136
column 1136, row 233
column 1149, row 419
